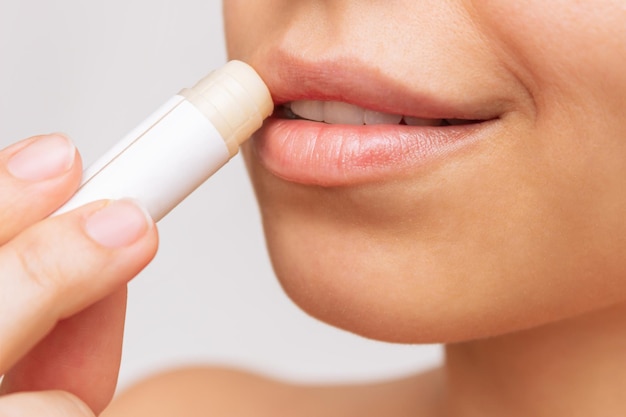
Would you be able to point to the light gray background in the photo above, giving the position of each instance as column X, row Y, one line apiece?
column 94, row 70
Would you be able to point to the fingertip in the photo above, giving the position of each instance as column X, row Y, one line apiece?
column 37, row 175
column 119, row 223
column 45, row 157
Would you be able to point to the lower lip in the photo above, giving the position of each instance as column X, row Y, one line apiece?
column 328, row 155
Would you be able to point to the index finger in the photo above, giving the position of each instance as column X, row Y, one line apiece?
column 36, row 176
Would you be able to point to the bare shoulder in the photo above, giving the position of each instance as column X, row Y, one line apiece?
column 211, row 391
column 198, row 392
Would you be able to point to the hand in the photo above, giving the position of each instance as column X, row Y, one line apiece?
column 62, row 283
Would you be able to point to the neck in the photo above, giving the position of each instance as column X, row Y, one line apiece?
column 571, row 368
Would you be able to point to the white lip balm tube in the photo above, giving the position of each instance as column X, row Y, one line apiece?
column 180, row 145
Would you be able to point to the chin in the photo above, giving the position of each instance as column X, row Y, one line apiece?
column 368, row 286
column 399, row 289
column 411, row 308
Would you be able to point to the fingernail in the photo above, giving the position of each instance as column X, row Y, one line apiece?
column 46, row 157
column 120, row 223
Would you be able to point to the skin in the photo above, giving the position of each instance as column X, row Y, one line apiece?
column 490, row 238
column 51, row 299
column 522, row 232
column 511, row 251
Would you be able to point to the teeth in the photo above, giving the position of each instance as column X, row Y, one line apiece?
column 310, row 110
column 376, row 118
column 335, row 112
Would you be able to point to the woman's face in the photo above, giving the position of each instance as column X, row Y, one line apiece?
column 494, row 196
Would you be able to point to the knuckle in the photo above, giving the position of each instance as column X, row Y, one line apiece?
column 37, row 269
column 76, row 405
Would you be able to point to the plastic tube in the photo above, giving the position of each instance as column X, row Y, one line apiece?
column 181, row 144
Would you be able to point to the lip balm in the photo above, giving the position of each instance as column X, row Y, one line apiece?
column 181, row 144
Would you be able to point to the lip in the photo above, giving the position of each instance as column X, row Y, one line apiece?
column 328, row 155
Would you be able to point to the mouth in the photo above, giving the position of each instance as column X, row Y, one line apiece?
column 342, row 124
column 336, row 112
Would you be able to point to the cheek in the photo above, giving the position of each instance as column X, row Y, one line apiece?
column 570, row 51
column 241, row 22
column 234, row 16
column 251, row 25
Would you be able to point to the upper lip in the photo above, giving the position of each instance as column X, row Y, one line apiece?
column 290, row 78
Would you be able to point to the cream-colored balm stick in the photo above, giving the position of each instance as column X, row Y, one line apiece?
column 182, row 144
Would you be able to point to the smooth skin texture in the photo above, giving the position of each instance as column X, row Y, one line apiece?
column 489, row 239
column 512, row 250
column 523, row 229
column 62, row 277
